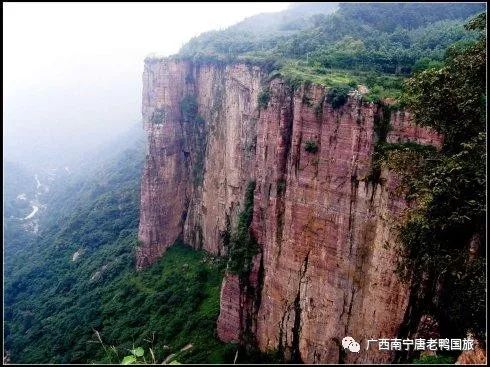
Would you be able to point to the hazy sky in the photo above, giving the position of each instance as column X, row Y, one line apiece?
column 72, row 71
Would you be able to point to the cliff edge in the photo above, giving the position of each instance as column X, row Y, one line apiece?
column 325, row 229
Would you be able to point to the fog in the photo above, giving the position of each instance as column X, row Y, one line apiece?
column 72, row 71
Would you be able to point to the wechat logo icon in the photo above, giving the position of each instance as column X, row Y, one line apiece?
column 349, row 343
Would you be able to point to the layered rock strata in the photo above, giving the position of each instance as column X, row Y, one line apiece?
column 326, row 234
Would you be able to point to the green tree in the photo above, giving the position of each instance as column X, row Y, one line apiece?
column 443, row 238
column 452, row 99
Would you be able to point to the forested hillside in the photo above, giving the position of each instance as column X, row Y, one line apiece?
column 75, row 281
column 373, row 44
column 384, row 37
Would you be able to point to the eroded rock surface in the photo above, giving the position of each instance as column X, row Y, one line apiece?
column 325, row 229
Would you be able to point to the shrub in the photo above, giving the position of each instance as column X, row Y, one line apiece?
column 243, row 246
column 281, row 187
column 434, row 360
column 188, row 107
column 198, row 169
column 158, row 116
column 306, row 100
column 311, row 146
column 382, row 123
column 264, row 98
column 199, row 120
column 337, row 96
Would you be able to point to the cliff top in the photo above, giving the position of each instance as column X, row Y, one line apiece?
column 338, row 45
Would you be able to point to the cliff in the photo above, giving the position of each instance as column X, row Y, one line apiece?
column 325, row 229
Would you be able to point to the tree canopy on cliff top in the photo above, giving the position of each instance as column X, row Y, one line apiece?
column 312, row 40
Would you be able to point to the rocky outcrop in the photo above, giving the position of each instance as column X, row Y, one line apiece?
column 477, row 355
column 402, row 130
column 328, row 247
column 165, row 177
column 326, row 234
column 227, row 100
column 173, row 204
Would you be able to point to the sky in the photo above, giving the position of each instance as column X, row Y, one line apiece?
column 72, row 71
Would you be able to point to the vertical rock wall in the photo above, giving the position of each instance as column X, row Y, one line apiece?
column 326, row 233
column 227, row 98
column 327, row 239
column 165, row 177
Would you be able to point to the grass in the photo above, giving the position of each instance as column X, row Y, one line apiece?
column 297, row 73
column 380, row 85
column 440, row 359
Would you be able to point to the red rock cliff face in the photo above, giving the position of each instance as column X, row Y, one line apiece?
column 173, row 203
column 165, row 177
column 227, row 99
column 326, row 233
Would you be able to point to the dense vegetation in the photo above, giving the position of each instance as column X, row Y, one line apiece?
column 373, row 44
column 18, row 181
column 264, row 98
column 444, row 248
column 241, row 244
column 166, row 307
column 337, row 96
column 59, row 310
